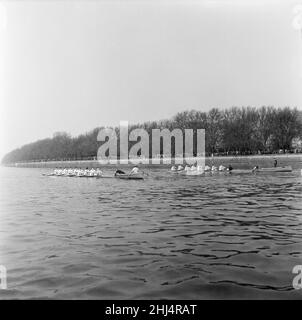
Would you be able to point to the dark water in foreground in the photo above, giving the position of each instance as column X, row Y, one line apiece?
column 235, row 236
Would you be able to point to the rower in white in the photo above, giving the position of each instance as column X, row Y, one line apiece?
column 135, row 170
column 200, row 169
column 207, row 168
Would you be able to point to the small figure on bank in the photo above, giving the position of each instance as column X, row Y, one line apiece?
column 275, row 163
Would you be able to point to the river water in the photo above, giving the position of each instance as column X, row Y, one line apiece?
column 170, row 237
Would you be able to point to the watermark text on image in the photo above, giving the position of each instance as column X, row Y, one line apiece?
column 297, row 281
column 182, row 145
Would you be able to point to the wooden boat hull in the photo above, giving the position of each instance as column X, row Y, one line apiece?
column 128, row 177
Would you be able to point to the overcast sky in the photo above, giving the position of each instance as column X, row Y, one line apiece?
column 72, row 66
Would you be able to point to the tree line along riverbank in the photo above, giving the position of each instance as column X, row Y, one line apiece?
column 233, row 132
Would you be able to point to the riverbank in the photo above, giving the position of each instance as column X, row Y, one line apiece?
column 295, row 160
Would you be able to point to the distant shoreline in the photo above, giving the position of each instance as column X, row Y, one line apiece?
column 249, row 129
column 216, row 160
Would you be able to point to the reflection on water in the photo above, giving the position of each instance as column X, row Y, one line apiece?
column 235, row 236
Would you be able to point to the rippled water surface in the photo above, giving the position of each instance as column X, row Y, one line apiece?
column 234, row 236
